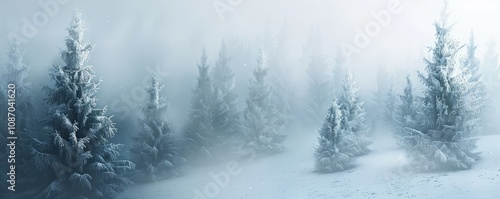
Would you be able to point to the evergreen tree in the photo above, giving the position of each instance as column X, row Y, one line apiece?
column 353, row 112
column 226, row 117
column 261, row 116
column 319, row 83
column 275, row 57
column 155, row 148
column 381, row 96
column 17, row 74
column 199, row 131
column 75, row 158
column 281, row 75
column 408, row 101
column 471, row 62
column 390, row 106
column 471, row 66
column 491, row 73
column 406, row 116
column 445, row 138
column 336, row 143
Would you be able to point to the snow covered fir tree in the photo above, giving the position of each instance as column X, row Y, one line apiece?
column 156, row 150
column 74, row 158
column 319, row 82
column 353, row 111
column 446, row 137
column 406, row 114
column 23, row 104
column 335, row 143
column 282, row 83
column 226, row 118
column 389, row 108
column 385, row 101
column 344, row 134
column 471, row 66
column 263, row 129
column 279, row 75
column 17, row 74
column 490, row 71
column 471, row 62
column 381, row 95
column 199, row 132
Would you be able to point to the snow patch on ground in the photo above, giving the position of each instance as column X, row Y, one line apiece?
column 290, row 174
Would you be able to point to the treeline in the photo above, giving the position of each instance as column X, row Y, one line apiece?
column 65, row 150
column 438, row 128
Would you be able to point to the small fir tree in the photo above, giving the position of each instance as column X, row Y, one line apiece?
column 261, row 116
column 353, row 112
column 155, row 149
column 226, row 116
column 319, row 83
column 199, row 132
column 335, row 149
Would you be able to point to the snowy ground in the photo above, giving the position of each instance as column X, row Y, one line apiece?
column 290, row 174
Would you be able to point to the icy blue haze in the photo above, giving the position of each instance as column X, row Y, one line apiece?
column 203, row 99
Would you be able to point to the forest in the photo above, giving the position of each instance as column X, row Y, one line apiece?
column 147, row 105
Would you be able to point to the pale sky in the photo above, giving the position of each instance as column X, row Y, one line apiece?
column 131, row 35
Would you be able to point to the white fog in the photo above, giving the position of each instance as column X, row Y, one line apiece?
column 249, row 99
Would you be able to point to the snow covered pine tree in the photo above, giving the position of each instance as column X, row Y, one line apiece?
column 282, row 84
column 490, row 71
column 407, row 115
column 353, row 112
column 381, row 97
column 446, row 138
column 17, row 74
column 155, row 149
column 336, row 144
column 261, row 116
column 471, row 66
column 319, row 83
column 226, row 116
column 390, row 106
column 75, row 160
column 199, row 132
column 472, row 62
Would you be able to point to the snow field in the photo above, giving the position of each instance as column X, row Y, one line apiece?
column 380, row 174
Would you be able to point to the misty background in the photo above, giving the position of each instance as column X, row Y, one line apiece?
column 134, row 37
